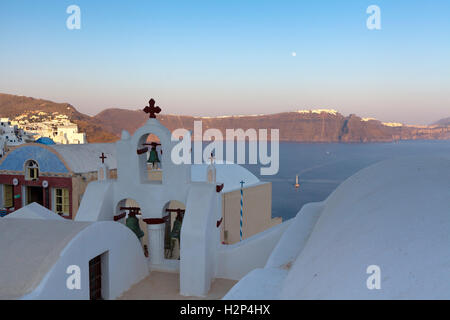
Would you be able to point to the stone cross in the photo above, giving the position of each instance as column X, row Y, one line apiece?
column 151, row 109
column 103, row 157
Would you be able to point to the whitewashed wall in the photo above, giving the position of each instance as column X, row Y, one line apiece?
column 126, row 263
column 235, row 261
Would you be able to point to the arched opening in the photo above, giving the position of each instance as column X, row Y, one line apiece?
column 174, row 212
column 36, row 193
column 31, row 170
column 150, row 153
column 128, row 212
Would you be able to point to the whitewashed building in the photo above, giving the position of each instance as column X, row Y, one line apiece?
column 97, row 245
column 60, row 130
column 11, row 136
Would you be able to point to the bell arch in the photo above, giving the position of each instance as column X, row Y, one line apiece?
column 172, row 173
column 153, row 131
column 173, row 213
column 150, row 158
column 125, row 202
column 128, row 212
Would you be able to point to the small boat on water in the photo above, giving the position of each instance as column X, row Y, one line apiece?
column 297, row 185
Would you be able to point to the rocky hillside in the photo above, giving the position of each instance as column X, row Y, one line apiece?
column 300, row 126
column 12, row 106
column 316, row 126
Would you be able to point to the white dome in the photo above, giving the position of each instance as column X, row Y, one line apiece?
column 394, row 214
column 230, row 174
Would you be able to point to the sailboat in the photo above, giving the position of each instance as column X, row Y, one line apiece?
column 297, row 185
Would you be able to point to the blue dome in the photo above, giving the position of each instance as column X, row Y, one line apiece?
column 45, row 140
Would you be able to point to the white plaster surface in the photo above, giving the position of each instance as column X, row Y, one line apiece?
column 235, row 261
column 40, row 251
column 229, row 174
column 34, row 211
column 295, row 237
column 85, row 157
column 265, row 284
column 97, row 203
column 29, row 249
column 200, row 239
column 394, row 214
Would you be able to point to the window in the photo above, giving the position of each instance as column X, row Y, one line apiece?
column 8, row 201
column 31, row 170
column 62, row 200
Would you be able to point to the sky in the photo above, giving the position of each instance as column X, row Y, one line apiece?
column 224, row 57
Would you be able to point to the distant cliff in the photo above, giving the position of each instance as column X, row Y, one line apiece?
column 300, row 126
column 442, row 122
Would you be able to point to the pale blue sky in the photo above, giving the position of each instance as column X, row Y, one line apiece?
column 232, row 57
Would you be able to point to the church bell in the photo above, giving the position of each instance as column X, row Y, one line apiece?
column 133, row 223
column 153, row 156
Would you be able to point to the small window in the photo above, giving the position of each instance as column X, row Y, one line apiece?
column 62, row 200
column 32, row 170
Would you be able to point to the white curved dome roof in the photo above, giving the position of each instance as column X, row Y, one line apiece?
column 394, row 214
column 230, row 174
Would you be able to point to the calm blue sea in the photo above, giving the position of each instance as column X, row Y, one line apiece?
column 322, row 167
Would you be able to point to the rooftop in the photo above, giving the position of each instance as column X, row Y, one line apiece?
column 85, row 157
column 32, row 251
column 166, row 286
column 230, row 174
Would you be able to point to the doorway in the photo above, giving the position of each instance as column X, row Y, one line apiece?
column 95, row 278
column 35, row 194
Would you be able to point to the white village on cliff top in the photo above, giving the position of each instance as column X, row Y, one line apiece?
column 122, row 221
column 34, row 125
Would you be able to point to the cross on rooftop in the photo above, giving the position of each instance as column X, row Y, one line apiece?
column 151, row 109
column 103, row 157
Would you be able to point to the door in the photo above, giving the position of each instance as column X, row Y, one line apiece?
column 95, row 278
column 35, row 194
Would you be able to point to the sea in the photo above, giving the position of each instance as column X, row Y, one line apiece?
column 322, row 167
